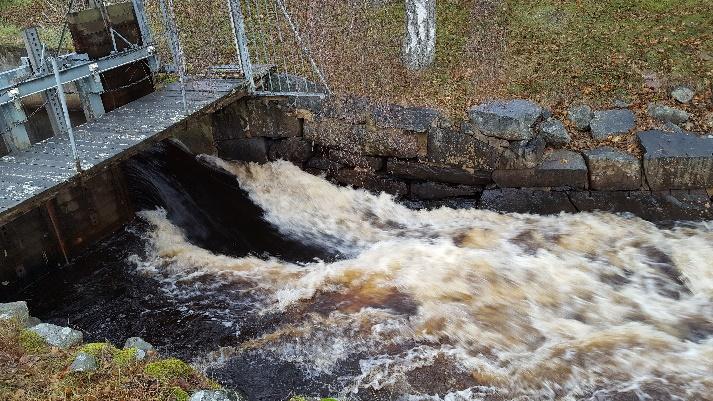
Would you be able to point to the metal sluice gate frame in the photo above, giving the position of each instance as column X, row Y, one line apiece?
column 42, row 73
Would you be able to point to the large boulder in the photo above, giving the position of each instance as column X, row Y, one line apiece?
column 667, row 114
column 512, row 120
column 559, row 169
column 613, row 169
column 58, row 336
column 609, row 123
column 677, row 160
column 217, row 395
column 15, row 310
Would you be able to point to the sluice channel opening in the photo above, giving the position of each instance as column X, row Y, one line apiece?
column 279, row 282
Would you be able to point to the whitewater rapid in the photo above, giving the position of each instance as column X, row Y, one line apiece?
column 454, row 305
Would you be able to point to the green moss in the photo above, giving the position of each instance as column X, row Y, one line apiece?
column 124, row 357
column 97, row 349
column 179, row 394
column 32, row 342
column 329, row 399
column 168, row 369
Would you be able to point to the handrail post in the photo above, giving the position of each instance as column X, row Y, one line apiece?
column 237, row 22
column 65, row 111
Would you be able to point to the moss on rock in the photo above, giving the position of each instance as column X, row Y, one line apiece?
column 124, row 357
column 168, row 369
column 32, row 342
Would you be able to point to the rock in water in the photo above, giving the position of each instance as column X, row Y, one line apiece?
column 609, row 123
column 217, row 395
column 512, row 120
column 15, row 310
column 581, row 116
column 58, row 336
column 419, row 47
column 84, row 362
column 682, row 94
column 554, row 132
column 667, row 114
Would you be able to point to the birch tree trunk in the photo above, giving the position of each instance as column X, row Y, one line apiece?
column 419, row 47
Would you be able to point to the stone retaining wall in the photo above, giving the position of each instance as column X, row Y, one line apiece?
column 505, row 157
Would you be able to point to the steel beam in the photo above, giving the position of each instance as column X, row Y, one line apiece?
column 37, row 53
column 12, row 116
column 75, row 72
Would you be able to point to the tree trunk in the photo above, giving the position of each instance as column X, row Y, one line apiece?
column 419, row 47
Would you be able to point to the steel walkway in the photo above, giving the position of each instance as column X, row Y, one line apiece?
column 41, row 170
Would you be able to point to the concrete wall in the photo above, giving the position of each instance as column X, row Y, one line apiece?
column 64, row 226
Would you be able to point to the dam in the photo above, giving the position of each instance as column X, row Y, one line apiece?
column 289, row 241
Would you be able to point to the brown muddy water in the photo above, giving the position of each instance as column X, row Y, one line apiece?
column 277, row 282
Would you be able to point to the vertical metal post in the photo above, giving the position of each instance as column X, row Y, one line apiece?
column 237, row 22
column 65, row 111
column 140, row 13
column 176, row 50
column 36, row 55
column 12, row 116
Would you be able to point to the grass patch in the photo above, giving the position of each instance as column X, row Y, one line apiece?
column 32, row 371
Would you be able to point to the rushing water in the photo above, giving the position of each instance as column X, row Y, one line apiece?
column 352, row 294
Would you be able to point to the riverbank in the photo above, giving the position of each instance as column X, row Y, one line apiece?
column 38, row 362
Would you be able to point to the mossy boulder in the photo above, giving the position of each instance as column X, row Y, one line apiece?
column 169, row 369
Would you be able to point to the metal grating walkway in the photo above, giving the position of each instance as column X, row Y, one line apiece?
column 48, row 164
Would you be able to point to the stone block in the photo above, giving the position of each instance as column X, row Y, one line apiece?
column 458, row 148
column 612, row 169
column 559, row 169
column 609, row 123
column 246, row 149
column 335, row 134
column 437, row 190
column 526, row 200
column 391, row 142
column 323, row 164
column 356, row 160
column 371, row 182
column 414, row 119
column 359, row 110
column 83, row 363
column 296, row 150
column 511, row 120
column 251, row 118
column 430, row 172
column 662, row 206
column 677, row 160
